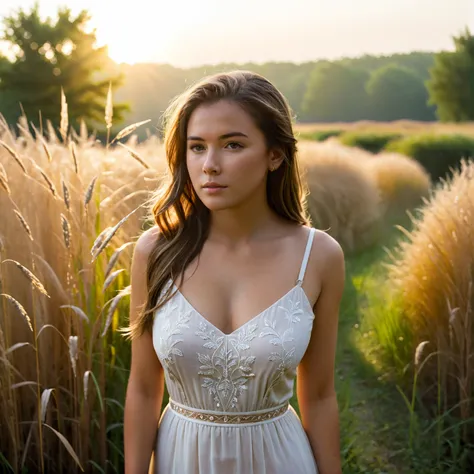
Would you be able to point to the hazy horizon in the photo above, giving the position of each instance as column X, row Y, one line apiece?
column 189, row 33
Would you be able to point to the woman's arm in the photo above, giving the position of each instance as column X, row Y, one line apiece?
column 145, row 385
column 315, row 381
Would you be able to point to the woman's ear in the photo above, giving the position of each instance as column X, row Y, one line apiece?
column 276, row 158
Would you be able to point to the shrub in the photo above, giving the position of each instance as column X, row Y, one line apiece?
column 320, row 135
column 437, row 153
column 344, row 199
column 402, row 181
column 432, row 275
column 370, row 141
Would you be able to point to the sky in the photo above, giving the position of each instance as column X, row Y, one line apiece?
column 188, row 33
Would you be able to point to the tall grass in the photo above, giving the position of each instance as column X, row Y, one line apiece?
column 431, row 275
column 402, row 182
column 63, row 368
column 344, row 199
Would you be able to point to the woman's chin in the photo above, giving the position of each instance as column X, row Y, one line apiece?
column 215, row 203
column 217, row 206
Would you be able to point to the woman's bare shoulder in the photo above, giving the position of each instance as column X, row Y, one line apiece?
column 326, row 242
column 146, row 242
column 328, row 250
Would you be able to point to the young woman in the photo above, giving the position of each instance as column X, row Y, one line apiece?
column 232, row 292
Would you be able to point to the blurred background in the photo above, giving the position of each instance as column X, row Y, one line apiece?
column 335, row 61
column 383, row 102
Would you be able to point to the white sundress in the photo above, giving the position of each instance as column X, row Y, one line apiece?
column 229, row 411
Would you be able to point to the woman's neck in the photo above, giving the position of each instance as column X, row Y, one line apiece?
column 241, row 225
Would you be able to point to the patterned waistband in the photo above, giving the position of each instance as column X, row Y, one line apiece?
column 228, row 418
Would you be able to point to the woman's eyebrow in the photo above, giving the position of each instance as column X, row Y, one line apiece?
column 222, row 137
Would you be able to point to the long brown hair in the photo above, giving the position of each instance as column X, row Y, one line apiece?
column 183, row 220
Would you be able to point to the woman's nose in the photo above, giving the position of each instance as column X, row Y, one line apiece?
column 211, row 163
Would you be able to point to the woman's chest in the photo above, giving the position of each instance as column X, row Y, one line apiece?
column 278, row 336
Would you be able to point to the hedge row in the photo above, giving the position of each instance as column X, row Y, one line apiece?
column 321, row 135
column 373, row 142
column 436, row 153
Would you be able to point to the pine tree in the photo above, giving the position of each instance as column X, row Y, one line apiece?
column 54, row 54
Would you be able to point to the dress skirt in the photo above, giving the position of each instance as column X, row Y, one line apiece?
column 191, row 446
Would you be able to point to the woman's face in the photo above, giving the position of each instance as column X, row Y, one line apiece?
column 226, row 155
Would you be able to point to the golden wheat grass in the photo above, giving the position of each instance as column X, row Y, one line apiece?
column 14, row 155
column 402, row 181
column 4, row 180
column 66, row 197
column 30, row 276
column 58, row 264
column 64, row 123
column 48, row 180
column 72, row 149
column 343, row 199
column 24, row 224
column 125, row 132
column 19, row 308
column 113, row 307
column 114, row 258
column 135, row 156
column 110, row 278
column 433, row 272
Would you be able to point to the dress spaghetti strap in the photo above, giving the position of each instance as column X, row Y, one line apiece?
column 306, row 256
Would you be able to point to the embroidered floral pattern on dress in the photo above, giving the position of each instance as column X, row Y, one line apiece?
column 173, row 325
column 226, row 370
column 284, row 357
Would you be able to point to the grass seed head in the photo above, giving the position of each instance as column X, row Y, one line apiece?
column 24, row 224
column 19, row 308
column 66, row 231
column 73, row 352
column 90, row 190
column 31, row 277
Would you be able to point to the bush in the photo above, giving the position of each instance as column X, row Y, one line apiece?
column 344, row 198
column 402, row 181
column 321, row 135
column 437, row 153
column 370, row 141
column 432, row 277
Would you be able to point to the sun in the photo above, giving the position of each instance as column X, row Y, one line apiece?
column 144, row 33
column 122, row 51
column 125, row 45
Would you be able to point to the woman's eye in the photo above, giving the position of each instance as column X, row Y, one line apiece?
column 196, row 148
column 234, row 145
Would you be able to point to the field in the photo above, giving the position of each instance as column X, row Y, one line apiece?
column 70, row 215
column 399, row 126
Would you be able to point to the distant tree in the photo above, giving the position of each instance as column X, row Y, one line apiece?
column 4, row 65
column 6, row 99
column 451, row 86
column 335, row 93
column 418, row 62
column 398, row 93
column 48, row 55
column 150, row 87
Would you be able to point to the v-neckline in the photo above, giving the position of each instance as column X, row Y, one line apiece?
column 251, row 320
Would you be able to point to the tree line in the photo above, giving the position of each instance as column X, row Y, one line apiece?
column 53, row 54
